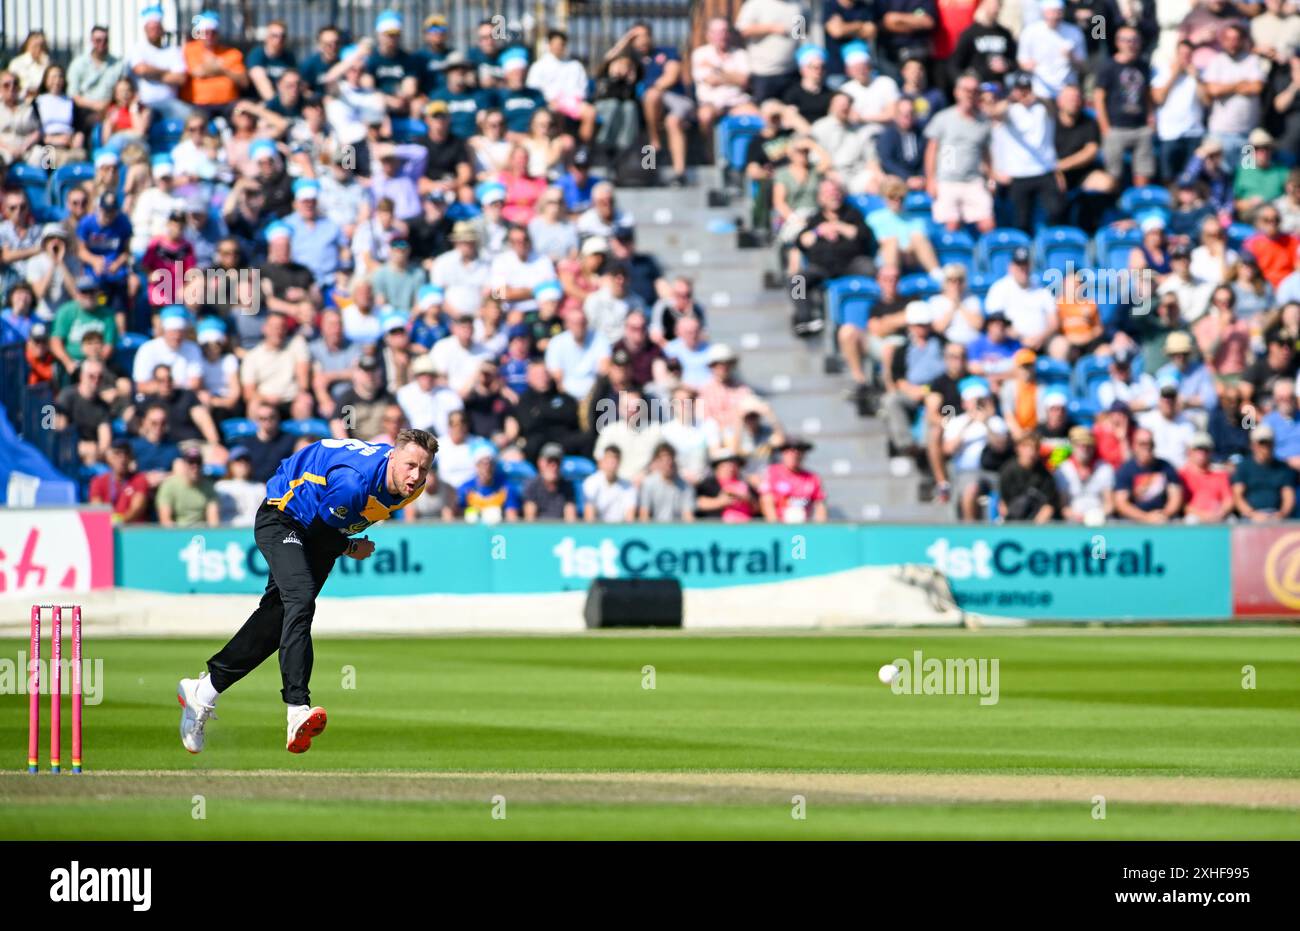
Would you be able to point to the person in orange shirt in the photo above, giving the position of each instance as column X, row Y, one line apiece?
column 1274, row 251
column 216, row 72
column 1079, row 318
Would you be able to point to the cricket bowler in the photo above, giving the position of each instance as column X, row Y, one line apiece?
column 319, row 497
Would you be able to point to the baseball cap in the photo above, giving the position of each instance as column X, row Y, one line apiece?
column 582, row 157
column 1201, row 440
column 239, row 452
column 435, row 22
column 463, row 231
column 278, row 230
column 809, row 53
column 429, row 295
column 1020, row 255
column 161, row 166
column 719, row 353
column 1180, row 251
column 620, row 357
column 39, row 330
column 855, row 52
column 368, row 363
column 192, row 455
column 1082, row 436
column 305, row 190
column 424, row 365
column 1122, row 356
column 1020, row 79
column 1262, row 434
column 1260, row 137
column 88, row 284
column 513, row 58
column 1056, row 399
column 1151, row 222
column 917, row 313
column 551, row 451
column 388, row 21
column 106, row 157
column 518, row 331
column 595, row 245
column 994, row 316
column 436, row 108
column 174, row 317
column 1177, row 342
column 109, row 203
column 491, row 192
column 211, row 330
column 390, row 318
column 972, row 389
column 549, row 291
column 262, row 148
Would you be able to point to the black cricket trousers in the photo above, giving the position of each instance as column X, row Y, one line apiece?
column 299, row 561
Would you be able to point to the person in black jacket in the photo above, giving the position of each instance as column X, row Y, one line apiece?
column 900, row 148
column 836, row 241
column 985, row 47
column 544, row 415
column 1027, row 489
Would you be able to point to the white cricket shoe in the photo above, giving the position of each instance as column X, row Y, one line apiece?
column 194, row 714
column 304, row 724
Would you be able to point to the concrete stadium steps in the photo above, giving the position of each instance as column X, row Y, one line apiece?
column 850, row 452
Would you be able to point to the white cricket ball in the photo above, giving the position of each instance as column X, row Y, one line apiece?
column 888, row 673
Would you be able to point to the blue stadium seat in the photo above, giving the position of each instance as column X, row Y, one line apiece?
column 1089, row 373
column 119, row 427
column 956, row 247
column 214, row 470
column 734, row 133
column 34, row 181
column 866, row 202
column 1113, row 246
column 1052, row 372
column 48, row 213
column 979, row 285
column 850, row 299
column 1082, row 412
column 236, row 427
column 310, row 426
column 576, row 468
column 516, row 472
column 1061, row 247
column 68, row 176
column 993, row 253
column 1140, row 199
column 164, row 135
column 918, row 285
column 1238, row 233
column 127, row 346
column 916, row 205
column 409, row 130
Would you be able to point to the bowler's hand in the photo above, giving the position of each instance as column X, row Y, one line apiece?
column 360, row 548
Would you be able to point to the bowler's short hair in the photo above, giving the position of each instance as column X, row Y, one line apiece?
column 421, row 438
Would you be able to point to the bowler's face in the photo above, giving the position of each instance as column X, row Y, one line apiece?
column 408, row 467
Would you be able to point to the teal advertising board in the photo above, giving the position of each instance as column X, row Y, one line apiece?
column 1058, row 573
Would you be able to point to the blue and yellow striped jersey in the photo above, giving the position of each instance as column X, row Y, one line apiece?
column 338, row 482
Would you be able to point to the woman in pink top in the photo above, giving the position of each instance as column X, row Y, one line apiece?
column 1223, row 339
column 523, row 189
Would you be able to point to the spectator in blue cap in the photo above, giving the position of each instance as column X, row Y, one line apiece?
column 159, row 69
column 318, row 243
column 219, row 388
column 390, row 69
column 429, row 325
column 104, row 239
column 515, row 99
column 76, row 316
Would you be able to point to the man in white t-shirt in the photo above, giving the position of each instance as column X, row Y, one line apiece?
column 1030, row 308
column 517, row 271
column 463, row 272
column 606, row 498
column 963, row 440
column 873, row 95
column 425, row 399
column 173, row 349
column 575, row 357
column 1024, row 154
column 457, row 355
column 1052, row 50
column 1169, row 426
column 1176, row 91
column 158, row 69
column 768, row 28
column 1234, row 80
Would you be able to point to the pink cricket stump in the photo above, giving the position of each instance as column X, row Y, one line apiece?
column 34, row 694
column 76, row 689
column 56, row 683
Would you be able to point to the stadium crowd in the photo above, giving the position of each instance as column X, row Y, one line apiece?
column 433, row 248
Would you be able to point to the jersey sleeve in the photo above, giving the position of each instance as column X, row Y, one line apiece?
column 345, row 492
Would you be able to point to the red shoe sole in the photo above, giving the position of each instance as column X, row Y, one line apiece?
column 312, row 727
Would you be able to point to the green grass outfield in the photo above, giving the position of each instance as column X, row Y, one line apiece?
column 424, row 734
